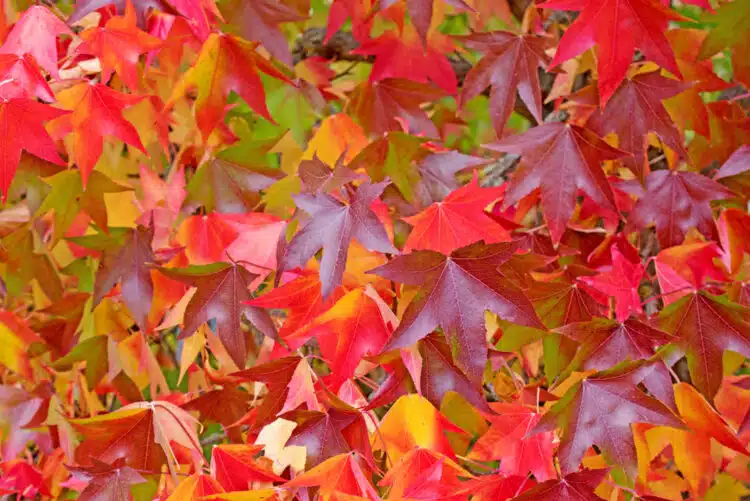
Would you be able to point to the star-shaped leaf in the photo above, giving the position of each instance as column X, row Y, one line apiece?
column 509, row 64
column 634, row 111
column 25, row 117
column 107, row 482
column 96, row 112
column 226, row 63
column 560, row 159
column 118, row 46
column 331, row 228
column 129, row 265
column 617, row 27
column 457, row 221
column 454, row 292
column 222, row 290
column 675, row 202
column 600, row 411
column 621, row 282
column 707, row 326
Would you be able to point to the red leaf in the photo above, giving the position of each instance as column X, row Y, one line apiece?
column 469, row 273
column 617, row 27
column 578, row 486
column 560, row 159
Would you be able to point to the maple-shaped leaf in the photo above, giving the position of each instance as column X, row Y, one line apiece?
column 560, row 159
column 343, row 473
column 728, row 31
column 324, row 435
column 604, row 343
column 236, row 468
column 140, row 433
column 734, row 234
column 394, row 104
column 332, row 227
column 353, row 328
column 36, row 34
column 129, row 265
column 118, row 45
column 96, row 112
column 599, row 411
column 634, row 111
column 707, row 326
column 617, row 27
column 457, row 221
column 401, row 54
column 222, row 290
column 577, row 486
column 229, row 187
column 107, row 482
column 225, row 406
column 509, row 64
column 258, row 20
column 620, row 283
column 454, row 292
column 737, row 164
column 496, row 487
column 675, row 202
column 506, row 440
column 25, row 117
column 226, row 63
column 287, row 386
column 685, row 268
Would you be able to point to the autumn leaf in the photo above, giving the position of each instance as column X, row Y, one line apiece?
column 96, row 112
column 617, row 28
column 675, row 202
column 509, row 64
column 458, row 220
column 36, row 34
column 222, row 289
column 559, row 159
column 26, row 117
column 577, row 486
column 599, row 411
column 707, row 326
column 331, row 228
column 225, row 64
column 107, row 481
column 640, row 97
column 469, row 272
column 727, row 33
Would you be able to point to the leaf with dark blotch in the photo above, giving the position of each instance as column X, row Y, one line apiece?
column 634, row 111
column 600, row 411
column 510, row 63
column 331, row 228
column 675, row 202
column 707, row 326
column 222, row 290
column 559, row 159
column 454, row 293
column 130, row 265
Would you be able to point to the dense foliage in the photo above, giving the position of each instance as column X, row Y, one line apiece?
column 374, row 249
